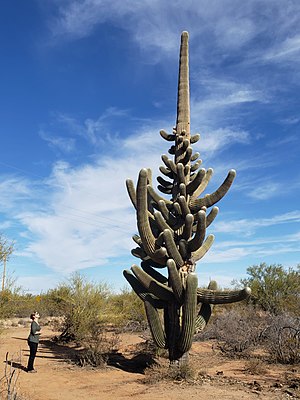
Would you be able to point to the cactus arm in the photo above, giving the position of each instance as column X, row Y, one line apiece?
column 187, row 157
column 205, row 311
column 180, row 173
column 172, row 248
column 155, row 196
column 147, row 237
column 131, row 191
column 194, row 184
column 188, row 227
column 198, row 254
column 195, row 243
column 174, row 280
column 195, row 138
column 155, row 325
column 211, row 216
column 159, row 290
column 169, row 163
column 166, row 171
column 204, row 184
column 167, row 136
column 161, row 222
column 222, row 297
column 163, row 182
column 142, row 292
column 189, row 313
column 183, row 248
column 195, row 166
column 185, row 210
column 211, row 199
column 155, row 274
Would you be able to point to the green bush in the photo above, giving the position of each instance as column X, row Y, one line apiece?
column 82, row 305
column 274, row 288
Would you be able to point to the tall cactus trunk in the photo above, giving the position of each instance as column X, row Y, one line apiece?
column 172, row 325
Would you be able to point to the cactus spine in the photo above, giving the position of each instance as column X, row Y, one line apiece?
column 172, row 235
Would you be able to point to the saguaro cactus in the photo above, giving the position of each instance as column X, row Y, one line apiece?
column 172, row 235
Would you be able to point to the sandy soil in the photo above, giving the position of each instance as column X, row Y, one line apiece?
column 58, row 379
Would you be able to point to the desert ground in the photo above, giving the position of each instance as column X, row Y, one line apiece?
column 59, row 379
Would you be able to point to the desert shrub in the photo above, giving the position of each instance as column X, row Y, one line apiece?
column 255, row 366
column 274, row 288
column 97, row 349
column 127, row 311
column 281, row 339
column 82, row 305
column 175, row 373
column 236, row 331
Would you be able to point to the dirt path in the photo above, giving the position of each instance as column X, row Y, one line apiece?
column 59, row 380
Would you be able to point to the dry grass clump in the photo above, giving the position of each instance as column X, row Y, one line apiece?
column 255, row 366
column 184, row 373
column 97, row 350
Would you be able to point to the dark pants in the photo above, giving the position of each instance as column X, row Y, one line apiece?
column 33, row 349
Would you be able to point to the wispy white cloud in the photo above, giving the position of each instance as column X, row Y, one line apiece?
column 286, row 51
column 251, row 225
column 64, row 144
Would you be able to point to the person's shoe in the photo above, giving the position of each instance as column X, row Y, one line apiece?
column 32, row 371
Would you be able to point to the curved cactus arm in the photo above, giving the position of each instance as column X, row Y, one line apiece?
column 195, row 243
column 155, row 274
column 139, row 253
column 156, row 197
column 195, row 156
column 167, row 136
column 169, row 163
column 188, row 313
column 163, row 182
column 205, row 311
column 194, row 184
column 211, row 216
column 222, row 297
column 154, row 264
column 159, row 290
column 198, row 254
column 168, row 216
column 183, row 206
column 174, row 280
column 144, row 228
column 137, row 240
column 195, row 138
column 172, row 248
column 195, row 166
column 180, row 173
column 165, row 190
column 204, row 184
column 161, row 222
column 182, row 190
column 155, row 325
column 166, row 171
column 187, row 157
column 131, row 191
column 211, row 199
column 142, row 292
column 183, row 248
column 188, row 227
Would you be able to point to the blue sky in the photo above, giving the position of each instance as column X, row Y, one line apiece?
column 85, row 87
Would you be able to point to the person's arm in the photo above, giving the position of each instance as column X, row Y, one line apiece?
column 35, row 328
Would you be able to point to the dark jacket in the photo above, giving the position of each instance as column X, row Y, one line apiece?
column 33, row 336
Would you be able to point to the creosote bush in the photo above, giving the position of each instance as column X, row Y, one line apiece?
column 83, row 307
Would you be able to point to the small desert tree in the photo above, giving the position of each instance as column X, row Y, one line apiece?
column 274, row 288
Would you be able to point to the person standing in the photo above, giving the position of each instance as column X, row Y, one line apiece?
column 33, row 340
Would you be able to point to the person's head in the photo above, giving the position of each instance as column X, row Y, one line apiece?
column 34, row 315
